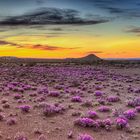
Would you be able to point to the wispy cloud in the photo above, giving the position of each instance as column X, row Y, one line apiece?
column 94, row 52
column 2, row 42
column 53, row 16
column 40, row 2
column 57, row 29
column 34, row 46
column 122, row 8
column 48, row 48
column 134, row 30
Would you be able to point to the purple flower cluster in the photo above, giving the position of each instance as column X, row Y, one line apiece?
column 82, row 86
column 43, row 90
column 50, row 110
column 134, row 102
column 17, row 96
column 117, row 112
column 97, row 87
column 138, row 109
column 95, row 124
column 92, row 114
column 86, row 122
column 76, row 99
column 104, row 109
column 40, row 99
column 85, row 137
column 106, row 123
column 99, row 93
column 113, row 99
column 25, row 108
column 121, row 123
column 130, row 114
column 54, row 93
column 18, row 87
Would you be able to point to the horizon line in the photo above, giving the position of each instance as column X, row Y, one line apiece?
column 111, row 58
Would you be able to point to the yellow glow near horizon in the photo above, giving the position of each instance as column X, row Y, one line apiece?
column 72, row 46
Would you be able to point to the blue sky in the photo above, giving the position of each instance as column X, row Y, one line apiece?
column 20, row 6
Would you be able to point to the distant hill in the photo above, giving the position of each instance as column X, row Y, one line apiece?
column 87, row 59
column 129, row 59
column 8, row 58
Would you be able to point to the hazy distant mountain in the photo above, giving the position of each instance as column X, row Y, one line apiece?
column 130, row 59
column 90, row 57
column 8, row 58
column 87, row 59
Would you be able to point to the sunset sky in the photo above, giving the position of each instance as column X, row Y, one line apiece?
column 70, row 28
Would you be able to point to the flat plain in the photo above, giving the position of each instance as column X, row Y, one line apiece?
column 60, row 102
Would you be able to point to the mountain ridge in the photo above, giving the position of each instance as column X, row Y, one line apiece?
column 88, row 58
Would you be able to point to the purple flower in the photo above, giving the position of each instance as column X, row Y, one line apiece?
column 50, row 110
column 121, row 123
column 92, row 114
column 113, row 99
column 76, row 99
column 104, row 109
column 98, row 87
column 54, row 93
column 117, row 112
column 138, row 109
column 17, row 96
column 43, row 91
column 86, row 122
column 85, row 137
column 130, row 114
column 107, row 124
column 134, row 102
column 98, row 93
column 25, row 108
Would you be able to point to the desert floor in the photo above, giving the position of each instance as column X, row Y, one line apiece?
column 70, row 91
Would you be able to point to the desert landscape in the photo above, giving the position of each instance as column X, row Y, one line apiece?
column 60, row 101
column 69, row 70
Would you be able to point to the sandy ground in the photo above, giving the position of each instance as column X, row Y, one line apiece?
column 112, row 81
